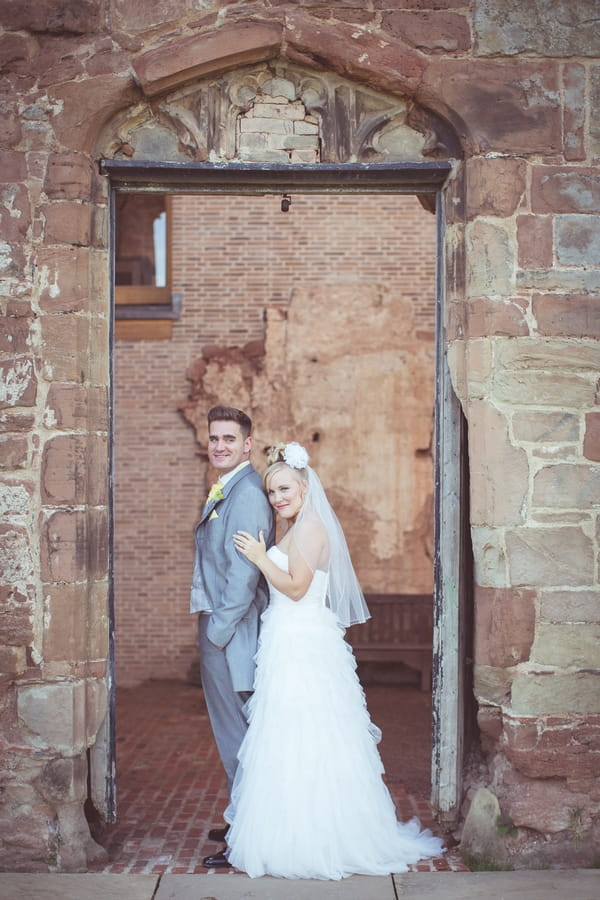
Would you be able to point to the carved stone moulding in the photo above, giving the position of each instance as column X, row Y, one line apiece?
column 201, row 121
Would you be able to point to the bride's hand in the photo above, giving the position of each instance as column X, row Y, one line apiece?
column 252, row 549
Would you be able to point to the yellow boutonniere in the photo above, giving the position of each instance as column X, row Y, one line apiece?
column 215, row 493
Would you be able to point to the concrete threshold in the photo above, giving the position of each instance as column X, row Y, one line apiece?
column 573, row 884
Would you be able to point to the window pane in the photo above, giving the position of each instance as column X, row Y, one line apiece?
column 141, row 257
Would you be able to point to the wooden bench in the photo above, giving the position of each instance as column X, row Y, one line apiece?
column 399, row 630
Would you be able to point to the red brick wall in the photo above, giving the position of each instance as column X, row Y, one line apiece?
column 232, row 256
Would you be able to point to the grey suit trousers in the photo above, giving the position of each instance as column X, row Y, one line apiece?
column 224, row 705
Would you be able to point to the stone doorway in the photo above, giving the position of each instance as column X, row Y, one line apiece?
column 445, row 429
column 276, row 128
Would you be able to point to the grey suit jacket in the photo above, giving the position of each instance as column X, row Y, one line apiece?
column 231, row 586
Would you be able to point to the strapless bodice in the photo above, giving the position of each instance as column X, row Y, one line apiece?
column 317, row 590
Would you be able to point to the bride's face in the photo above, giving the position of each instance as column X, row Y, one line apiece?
column 286, row 493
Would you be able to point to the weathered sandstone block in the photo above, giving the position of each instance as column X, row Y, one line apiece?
column 564, row 281
column 594, row 101
column 543, row 805
column 567, row 486
column 52, row 716
column 574, row 315
column 350, row 50
column 15, row 420
column 65, row 345
column 553, row 746
column 16, row 561
column 489, row 721
column 479, row 366
column 13, row 660
column 567, row 646
column 509, row 27
column 550, row 557
column 74, row 546
column 63, row 780
column 139, row 15
column 510, row 105
column 18, row 382
column 432, row 30
column 504, row 625
column 64, row 547
column 545, row 427
column 15, row 335
column 570, row 190
column 76, row 406
column 15, row 214
column 15, row 499
column 67, row 222
column 71, row 16
column 552, row 693
column 99, row 361
column 535, row 241
column 574, row 111
column 86, row 104
column 65, row 629
column 14, row 452
column 504, row 316
column 481, row 839
column 492, row 684
column 68, row 176
column 190, row 57
column 16, row 608
column 489, row 557
column 63, row 278
column 490, row 260
column 64, row 470
column 495, row 186
column 556, row 355
column 74, row 470
column 498, row 471
column 544, row 388
column 577, row 240
column 14, row 167
column 570, row 606
column 591, row 441
column 97, row 630
column 96, row 706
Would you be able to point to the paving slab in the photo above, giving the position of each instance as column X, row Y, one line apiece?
column 22, row 886
column 240, row 887
column 572, row 884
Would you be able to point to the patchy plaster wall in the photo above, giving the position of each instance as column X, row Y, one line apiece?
column 352, row 264
column 508, row 88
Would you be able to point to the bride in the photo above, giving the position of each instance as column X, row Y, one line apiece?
column 308, row 800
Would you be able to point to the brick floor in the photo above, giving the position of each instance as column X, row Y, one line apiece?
column 171, row 788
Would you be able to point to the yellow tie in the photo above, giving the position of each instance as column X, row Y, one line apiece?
column 215, row 493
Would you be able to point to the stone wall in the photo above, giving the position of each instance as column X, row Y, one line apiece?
column 507, row 91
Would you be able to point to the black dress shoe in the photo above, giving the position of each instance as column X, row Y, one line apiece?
column 218, row 861
column 218, row 834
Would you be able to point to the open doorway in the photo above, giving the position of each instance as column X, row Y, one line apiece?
column 254, row 257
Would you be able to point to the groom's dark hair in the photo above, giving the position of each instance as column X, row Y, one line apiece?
column 231, row 414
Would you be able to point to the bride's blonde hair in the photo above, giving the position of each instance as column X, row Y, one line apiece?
column 299, row 475
column 277, row 459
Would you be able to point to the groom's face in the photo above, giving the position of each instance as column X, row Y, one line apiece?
column 227, row 446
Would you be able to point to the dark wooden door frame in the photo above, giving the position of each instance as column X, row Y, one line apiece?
column 426, row 180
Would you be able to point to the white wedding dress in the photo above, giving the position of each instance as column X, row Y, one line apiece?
column 308, row 800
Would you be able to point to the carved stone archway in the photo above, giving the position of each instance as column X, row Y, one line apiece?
column 200, row 121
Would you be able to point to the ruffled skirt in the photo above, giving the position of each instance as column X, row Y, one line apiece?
column 309, row 800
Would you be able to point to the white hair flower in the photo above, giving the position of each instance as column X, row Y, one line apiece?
column 295, row 455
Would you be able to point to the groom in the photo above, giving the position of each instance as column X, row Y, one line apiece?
column 229, row 592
